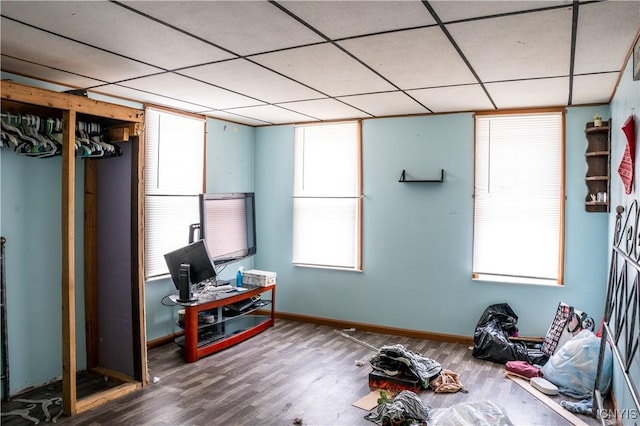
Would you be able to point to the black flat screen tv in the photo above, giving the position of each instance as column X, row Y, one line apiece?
column 228, row 226
column 197, row 257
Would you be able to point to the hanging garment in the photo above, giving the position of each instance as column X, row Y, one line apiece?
column 625, row 170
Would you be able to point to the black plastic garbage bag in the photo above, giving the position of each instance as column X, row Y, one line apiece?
column 491, row 338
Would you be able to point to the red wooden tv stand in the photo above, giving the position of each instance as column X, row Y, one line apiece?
column 230, row 326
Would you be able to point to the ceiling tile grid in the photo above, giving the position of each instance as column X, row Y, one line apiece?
column 129, row 33
column 243, row 27
column 412, row 59
column 356, row 18
column 470, row 97
column 262, row 62
column 511, row 47
column 325, row 67
column 242, row 75
column 386, row 104
column 605, row 32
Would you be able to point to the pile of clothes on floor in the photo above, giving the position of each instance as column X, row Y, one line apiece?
column 412, row 370
column 565, row 362
column 398, row 361
column 407, row 408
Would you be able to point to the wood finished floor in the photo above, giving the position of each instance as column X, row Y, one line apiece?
column 297, row 371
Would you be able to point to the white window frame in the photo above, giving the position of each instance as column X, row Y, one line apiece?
column 174, row 177
column 519, row 197
column 327, row 196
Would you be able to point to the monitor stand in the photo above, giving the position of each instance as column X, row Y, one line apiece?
column 184, row 284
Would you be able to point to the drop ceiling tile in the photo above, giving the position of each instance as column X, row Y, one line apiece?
column 147, row 97
column 545, row 92
column 455, row 98
column 605, row 32
column 412, row 59
column 226, row 116
column 26, row 43
column 244, row 76
column 593, row 88
column 325, row 109
column 352, row 18
column 48, row 74
column 189, row 90
column 385, row 104
column 515, row 47
column 449, row 11
column 272, row 114
column 325, row 68
column 243, row 27
column 108, row 26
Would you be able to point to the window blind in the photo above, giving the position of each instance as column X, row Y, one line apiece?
column 327, row 196
column 518, row 195
column 174, row 167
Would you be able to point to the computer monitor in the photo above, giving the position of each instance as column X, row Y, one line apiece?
column 228, row 226
column 195, row 255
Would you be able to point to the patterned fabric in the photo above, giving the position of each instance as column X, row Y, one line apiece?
column 625, row 170
column 556, row 329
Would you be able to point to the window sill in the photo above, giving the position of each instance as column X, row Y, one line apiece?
column 335, row 268
column 517, row 280
column 158, row 278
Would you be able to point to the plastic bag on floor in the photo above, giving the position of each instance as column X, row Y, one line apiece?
column 481, row 413
column 491, row 337
column 574, row 366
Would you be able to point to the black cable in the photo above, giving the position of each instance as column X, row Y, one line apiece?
column 162, row 301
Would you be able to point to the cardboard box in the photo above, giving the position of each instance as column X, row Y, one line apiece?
column 259, row 278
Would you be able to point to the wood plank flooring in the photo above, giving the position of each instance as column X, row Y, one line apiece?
column 297, row 371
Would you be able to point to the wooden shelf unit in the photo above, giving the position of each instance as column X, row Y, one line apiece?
column 126, row 174
column 598, row 158
column 228, row 332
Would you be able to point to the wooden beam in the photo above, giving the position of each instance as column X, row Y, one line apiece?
column 141, row 372
column 99, row 398
column 68, row 265
column 568, row 415
column 65, row 101
column 91, row 261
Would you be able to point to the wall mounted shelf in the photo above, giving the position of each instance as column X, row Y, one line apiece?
column 404, row 180
column 598, row 158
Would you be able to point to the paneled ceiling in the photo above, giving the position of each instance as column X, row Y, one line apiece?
column 274, row 62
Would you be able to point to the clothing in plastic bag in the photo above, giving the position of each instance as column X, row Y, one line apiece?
column 573, row 367
column 481, row 413
column 491, row 338
column 403, row 409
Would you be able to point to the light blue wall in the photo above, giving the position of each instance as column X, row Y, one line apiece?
column 625, row 103
column 417, row 238
column 31, row 220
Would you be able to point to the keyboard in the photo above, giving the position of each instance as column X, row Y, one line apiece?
column 220, row 289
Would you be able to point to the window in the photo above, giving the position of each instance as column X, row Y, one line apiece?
column 519, row 197
column 327, row 196
column 174, row 168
